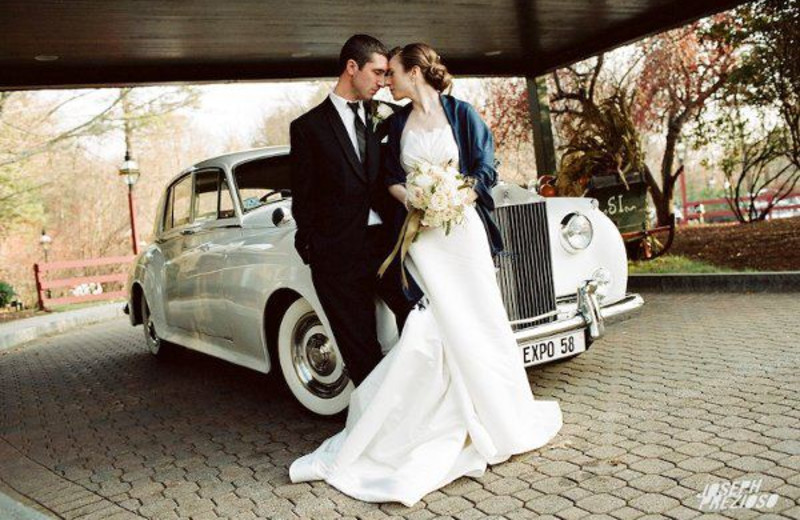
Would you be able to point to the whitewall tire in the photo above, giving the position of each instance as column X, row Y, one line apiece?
column 310, row 361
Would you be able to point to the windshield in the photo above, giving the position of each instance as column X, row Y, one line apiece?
column 263, row 181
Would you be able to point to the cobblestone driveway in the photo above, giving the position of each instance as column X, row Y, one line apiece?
column 700, row 388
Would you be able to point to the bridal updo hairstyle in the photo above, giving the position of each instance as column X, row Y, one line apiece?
column 429, row 62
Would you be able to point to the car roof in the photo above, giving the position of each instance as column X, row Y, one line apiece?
column 232, row 159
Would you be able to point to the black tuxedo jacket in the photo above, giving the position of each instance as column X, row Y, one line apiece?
column 332, row 191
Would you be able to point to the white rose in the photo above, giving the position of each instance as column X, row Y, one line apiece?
column 384, row 110
column 424, row 181
column 436, row 172
column 439, row 201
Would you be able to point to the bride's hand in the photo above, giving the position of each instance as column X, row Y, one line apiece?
column 417, row 191
column 472, row 196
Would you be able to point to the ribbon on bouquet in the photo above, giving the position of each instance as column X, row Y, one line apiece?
column 408, row 233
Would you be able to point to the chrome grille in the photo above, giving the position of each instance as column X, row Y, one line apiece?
column 525, row 270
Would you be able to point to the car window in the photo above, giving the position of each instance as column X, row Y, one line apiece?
column 212, row 197
column 166, row 220
column 262, row 181
column 182, row 202
column 205, row 195
column 225, row 199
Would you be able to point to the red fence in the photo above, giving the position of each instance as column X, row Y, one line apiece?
column 692, row 211
column 44, row 284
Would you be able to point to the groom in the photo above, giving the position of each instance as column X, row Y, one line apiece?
column 343, row 209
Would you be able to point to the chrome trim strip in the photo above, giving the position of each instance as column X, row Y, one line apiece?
column 610, row 314
column 539, row 317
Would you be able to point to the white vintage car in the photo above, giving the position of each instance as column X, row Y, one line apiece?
column 222, row 276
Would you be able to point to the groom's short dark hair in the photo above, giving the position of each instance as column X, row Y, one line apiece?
column 360, row 48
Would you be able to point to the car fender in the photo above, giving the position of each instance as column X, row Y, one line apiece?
column 606, row 250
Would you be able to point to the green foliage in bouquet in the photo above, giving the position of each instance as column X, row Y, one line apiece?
column 601, row 141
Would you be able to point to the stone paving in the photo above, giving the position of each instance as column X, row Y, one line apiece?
column 699, row 389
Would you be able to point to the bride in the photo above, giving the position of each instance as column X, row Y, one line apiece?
column 452, row 395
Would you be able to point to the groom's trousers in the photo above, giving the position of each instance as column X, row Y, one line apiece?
column 348, row 299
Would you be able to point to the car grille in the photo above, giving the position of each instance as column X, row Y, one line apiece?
column 524, row 268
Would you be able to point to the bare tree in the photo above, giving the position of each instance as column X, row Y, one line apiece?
column 274, row 128
column 507, row 113
column 683, row 69
column 755, row 160
column 31, row 127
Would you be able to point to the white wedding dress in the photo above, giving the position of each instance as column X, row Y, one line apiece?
column 452, row 395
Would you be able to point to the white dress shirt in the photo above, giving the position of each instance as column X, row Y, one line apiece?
column 349, row 120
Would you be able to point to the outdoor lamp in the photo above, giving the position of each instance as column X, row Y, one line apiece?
column 45, row 241
column 129, row 171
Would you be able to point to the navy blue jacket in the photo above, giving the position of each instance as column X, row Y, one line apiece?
column 475, row 157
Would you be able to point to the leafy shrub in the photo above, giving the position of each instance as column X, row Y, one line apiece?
column 7, row 293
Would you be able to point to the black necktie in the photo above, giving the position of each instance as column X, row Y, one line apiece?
column 361, row 131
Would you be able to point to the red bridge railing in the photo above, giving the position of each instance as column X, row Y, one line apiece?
column 45, row 284
column 719, row 207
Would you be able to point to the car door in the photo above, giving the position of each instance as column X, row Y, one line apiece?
column 205, row 244
column 176, row 220
column 261, row 259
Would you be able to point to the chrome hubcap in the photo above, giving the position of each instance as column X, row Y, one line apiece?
column 321, row 355
column 316, row 359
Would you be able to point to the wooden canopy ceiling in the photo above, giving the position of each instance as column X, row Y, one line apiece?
column 129, row 42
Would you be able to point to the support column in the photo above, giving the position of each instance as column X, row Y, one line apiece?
column 543, row 145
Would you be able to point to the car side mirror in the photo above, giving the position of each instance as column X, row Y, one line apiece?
column 281, row 216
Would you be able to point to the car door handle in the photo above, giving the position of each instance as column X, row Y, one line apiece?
column 188, row 232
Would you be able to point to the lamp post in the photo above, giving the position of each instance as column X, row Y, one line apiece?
column 45, row 241
column 129, row 171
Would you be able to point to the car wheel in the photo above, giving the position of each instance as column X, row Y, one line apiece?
column 310, row 361
column 158, row 347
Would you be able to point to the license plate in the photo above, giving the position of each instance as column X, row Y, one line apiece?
column 554, row 347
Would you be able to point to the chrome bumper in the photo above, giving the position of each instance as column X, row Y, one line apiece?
column 587, row 313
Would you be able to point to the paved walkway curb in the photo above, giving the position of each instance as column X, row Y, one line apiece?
column 788, row 281
column 61, row 496
column 21, row 331
column 12, row 510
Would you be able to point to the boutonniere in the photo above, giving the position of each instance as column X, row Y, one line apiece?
column 380, row 112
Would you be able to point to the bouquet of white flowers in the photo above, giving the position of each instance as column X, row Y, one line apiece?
column 440, row 193
column 436, row 196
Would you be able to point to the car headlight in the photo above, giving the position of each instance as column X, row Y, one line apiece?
column 576, row 232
